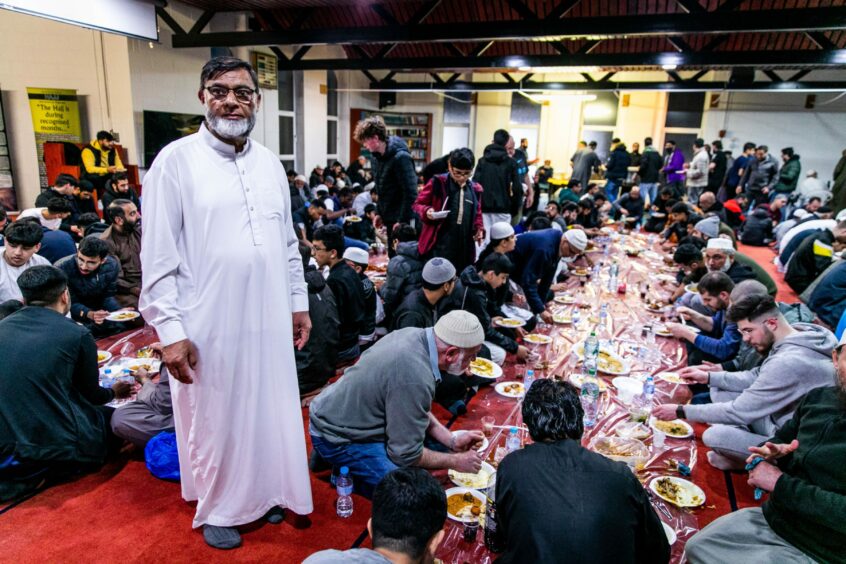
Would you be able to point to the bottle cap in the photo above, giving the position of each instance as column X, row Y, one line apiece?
column 344, row 471
column 530, row 372
column 513, row 430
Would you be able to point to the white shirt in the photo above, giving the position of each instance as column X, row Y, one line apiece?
column 9, row 275
column 37, row 212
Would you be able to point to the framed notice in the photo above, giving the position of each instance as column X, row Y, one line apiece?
column 8, row 197
column 55, row 117
column 265, row 66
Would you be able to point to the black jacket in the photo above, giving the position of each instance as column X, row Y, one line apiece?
column 368, row 294
column 739, row 272
column 405, row 274
column 415, row 311
column 718, row 175
column 95, row 291
column 717, row 209
column 48, row 393
column 477, row 297
column 812, row 257
column 618, row 164
column 316, row 361
column 502, row 189
column 631, row 205
column 110, row 196
column 757, row 229
column 650, row 167
column 597, row 496
column 396, row 182
column 828, row 300
column 349, row 295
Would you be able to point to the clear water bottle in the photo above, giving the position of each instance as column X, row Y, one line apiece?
column 107, row 380
column 648, row 392
column 512, row 443
column 577, row 316
column 612, row 283
column 590, row 396
column 614, row 269
column 592, row 347
column 528, row 379
column 344, row 487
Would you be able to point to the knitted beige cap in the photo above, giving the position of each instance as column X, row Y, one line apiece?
column 460, row 329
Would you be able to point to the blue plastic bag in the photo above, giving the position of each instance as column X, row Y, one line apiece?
column 162, row 457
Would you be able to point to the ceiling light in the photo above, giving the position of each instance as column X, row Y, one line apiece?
column 669, row 67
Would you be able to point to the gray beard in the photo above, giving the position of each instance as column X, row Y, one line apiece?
column 230, row 129
column 726, row 266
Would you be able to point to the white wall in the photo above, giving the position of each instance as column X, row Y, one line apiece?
column 41, row 53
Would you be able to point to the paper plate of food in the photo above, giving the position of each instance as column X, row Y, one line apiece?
column 652, row 255
column 631, row 251
column 671, row 377
column 566, row 299
column 485, row 441
column 465, row 505
column 125, row 315
column 352, row 219
column 510, row 389
column 692, row 288
column 538, row 339
column 148, row 364
column 676, row 429
column 631, row 451
column 103, row 356
column 484, row 368
column 662, row 331
column 678, row 491
column 510, row 322
column 477, row 481
column 581, row 272
column 632, row 430
column 565, row 318
column 577, row 379
column 612, row 364
column 665, row 278
column 654, row 306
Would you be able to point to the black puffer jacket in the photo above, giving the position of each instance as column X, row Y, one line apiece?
column 477, row 297
column 758, row 228
column 502, row 190
column 95, row 291
column 405, row 274
column 316, row 361
column 396, row 182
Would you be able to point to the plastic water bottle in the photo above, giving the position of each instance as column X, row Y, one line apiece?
column 106, row 381
column 344, row 487
column 528, row 379
column 648, row 392
column 591, row 347
column 590, row 396
column 512, row 443
column 577, row 316
column 614, row 269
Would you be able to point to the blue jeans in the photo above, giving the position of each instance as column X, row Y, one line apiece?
column 650, row 190
column 368, row 462
column 611, row 189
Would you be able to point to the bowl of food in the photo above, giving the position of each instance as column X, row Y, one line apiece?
column 465, row 505
column 627, row 388
column 631, row 451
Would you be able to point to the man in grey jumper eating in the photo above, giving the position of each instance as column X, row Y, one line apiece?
column 751, row 405
column 376, row 417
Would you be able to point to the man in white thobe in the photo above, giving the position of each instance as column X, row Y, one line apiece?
column 221, row 277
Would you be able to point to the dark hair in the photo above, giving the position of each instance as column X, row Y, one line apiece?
column 825, row 209
column 680, row 207
column 762, row 148
column 409, row 508
column 305, row 253
column 748, row 145
column 85, row 186
column 553, row 411
column 58, row 205
column 93, row 246
column 317, row 203
column 344, row 192
column 647, row 142
column 371, row 126
column 9, row 307
column 697, row 242
column 65, row 179
column 332, row 237
column 752, row 308
column 592, row 144
column 116, row 208
column 118, row 176
column 671, row 142
column 667, row 191
column 599, row 196
column 105, row 135
column 462, row 159
column 817, row 198
column 24, row 233
column 496, row 262
column 717, row 144
column 86, row 219
column 500, row 137
column 686, row 254
column 715, row 282
column 573, row 183
column 42, row 285
column 369, row 208
column 586, row 203
column 3, row 214
column 699, row 142
column 570, row 207
column 405, row 233
column 539, row 222
column 554, row 203
column 615, row 140
column 222, row 65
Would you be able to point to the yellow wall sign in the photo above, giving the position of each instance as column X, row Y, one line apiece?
column 54, row 111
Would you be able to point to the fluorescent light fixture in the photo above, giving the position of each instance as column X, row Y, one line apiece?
column 669, row 67
column 125, row 17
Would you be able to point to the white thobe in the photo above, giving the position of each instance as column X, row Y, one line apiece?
column 221, row 267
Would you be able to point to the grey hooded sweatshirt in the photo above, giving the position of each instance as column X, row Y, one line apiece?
column 770, row 392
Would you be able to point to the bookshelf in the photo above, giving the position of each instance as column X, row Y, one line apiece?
column 414, row 128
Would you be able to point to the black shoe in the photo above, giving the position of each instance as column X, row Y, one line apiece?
column 317, row 463
column 275, row 515
column 224, row 538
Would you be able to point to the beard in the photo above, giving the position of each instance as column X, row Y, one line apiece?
column 130, row 226
column 767, row 344
column 456, row 367
column 726, row 266
column 229, row 128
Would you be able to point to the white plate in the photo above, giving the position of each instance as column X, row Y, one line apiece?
column 152, row 364
column 461, row 491
column 563, row 319
column 496, row 370
column 538, row 339
column 577, row 379
column 580, row 352
column 352, row 219
column 690, row 495
column 510, row 322
column 115, row 316
column 652, row 255
column 485, row 441
column 692, row 288
column 632, row 430
column 671, row 534
column 671, row 377
column 665, row 277
column 478, row 481
column 567, row 300
column 688, row 429
column 103, row 356
column 500, row 389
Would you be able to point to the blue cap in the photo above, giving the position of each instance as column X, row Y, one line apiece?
column 513, row 430
column 344, row 470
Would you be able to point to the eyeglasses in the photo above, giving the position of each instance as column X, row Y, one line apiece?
column 242, row 93
column 317, row 249
column 461, row 173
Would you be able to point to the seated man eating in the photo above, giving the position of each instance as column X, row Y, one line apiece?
column 377, row 416
column 804, row 469
column 751, row 405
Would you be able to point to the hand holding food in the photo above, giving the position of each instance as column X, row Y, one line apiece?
column 694, row 375
column 666, row 412
column 122, row 390
column 467, row 441
column 467, row 461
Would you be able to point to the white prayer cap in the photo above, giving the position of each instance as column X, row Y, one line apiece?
column 577, row 238
column 501, row 230
column 301, row 178
column 800, row 213
column 841, row 216
column 811, row 173
column 438, row 271
column 460, row 329
column 369, row 186
column 721, row 244
column 356, row 255
column 340, row 184
column 321, row 188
